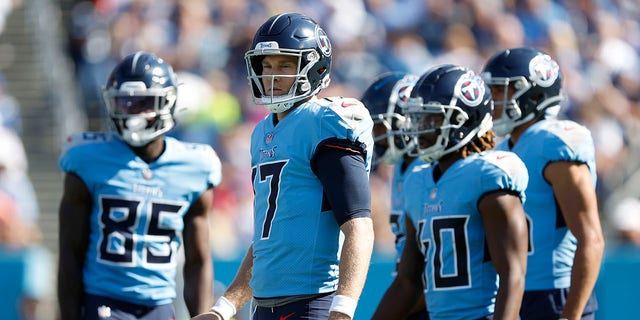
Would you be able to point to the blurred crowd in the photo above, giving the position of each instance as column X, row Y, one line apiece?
column 596, row 42
column 25, row 264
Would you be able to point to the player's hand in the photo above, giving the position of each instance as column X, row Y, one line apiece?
column 210, row 315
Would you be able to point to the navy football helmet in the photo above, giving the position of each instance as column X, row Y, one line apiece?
column 295, row 35
column 449, row 107
column 384, row 98
column 534, row 79
column 140, row 97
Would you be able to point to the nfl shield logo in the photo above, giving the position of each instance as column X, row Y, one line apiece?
column 268, row 138
column 147, row 173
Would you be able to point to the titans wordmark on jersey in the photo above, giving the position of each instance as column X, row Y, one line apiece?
column 137, row 216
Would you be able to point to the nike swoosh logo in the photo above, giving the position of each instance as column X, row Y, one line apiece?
column 501, row 157
column 348, row 104
column 287, row 316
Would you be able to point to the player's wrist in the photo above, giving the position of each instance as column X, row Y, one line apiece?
column 224, row 308
column 344, row 304
column 215, row 314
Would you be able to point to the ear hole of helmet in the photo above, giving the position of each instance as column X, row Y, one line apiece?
column 308, row 65
column 311, row 56
column 535, row 100
column 304, row 86
column 462, row 118
column 513, row 111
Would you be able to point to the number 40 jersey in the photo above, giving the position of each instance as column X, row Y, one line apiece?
column 460, row 279
column 138, row 210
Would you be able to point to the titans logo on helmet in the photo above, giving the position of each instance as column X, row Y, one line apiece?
column 403, row 94
column 323, row 42
column 544, row 70
column 406, row 84
column 471, row 88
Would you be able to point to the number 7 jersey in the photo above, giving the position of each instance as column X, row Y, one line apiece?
column 138, row 209
column 296, row 237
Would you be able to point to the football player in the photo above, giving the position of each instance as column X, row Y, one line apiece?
column 385, row 99
column 310, row 158
column 565, row 232
column 466, row 228
column 132, row 197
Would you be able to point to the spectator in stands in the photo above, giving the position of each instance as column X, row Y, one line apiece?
column 25, row 266
column 14, row 178
column 10, row 116
column 625, row 221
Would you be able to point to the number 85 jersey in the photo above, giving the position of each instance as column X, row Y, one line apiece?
column 136, row 221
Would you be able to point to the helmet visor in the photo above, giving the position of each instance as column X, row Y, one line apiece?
column 129, row 105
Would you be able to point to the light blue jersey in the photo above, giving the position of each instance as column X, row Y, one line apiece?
column 296, row 243
column 460, row 279
column 553, row 246
column 137, row 215
column 396, row 217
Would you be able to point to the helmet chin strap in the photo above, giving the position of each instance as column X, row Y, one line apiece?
column 133, row 138
column 131, row 132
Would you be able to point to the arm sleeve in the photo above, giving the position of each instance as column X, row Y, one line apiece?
column 343, row 174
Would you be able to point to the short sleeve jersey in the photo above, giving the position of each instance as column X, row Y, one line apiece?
column 460, row 280
column 396, row 217
column 296, row 243
column 553, row 245
column 138, row 208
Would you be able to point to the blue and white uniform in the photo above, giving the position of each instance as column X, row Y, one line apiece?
column 553, row 247
column 460, row 279
column 137, row 215
column 396, row 218
column 296, row 235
